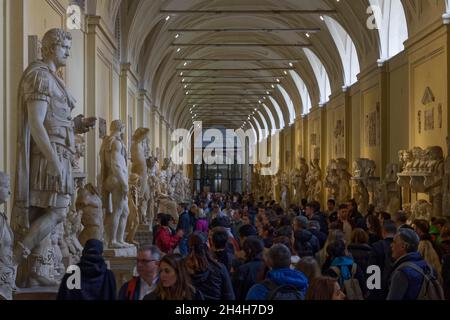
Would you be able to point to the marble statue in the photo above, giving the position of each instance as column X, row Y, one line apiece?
column 314, row 181
column 303, row 188
column 133, row 201
column 392, row 188
column 139, row 167
column 423, row 171
column 295, row 183
column 45, row 147
column 80, row 151
column 7, row 268
column 446, row 183
column 89, row 206
column 344, row 177
column 72, row 229
column 153, row 183
column 363, row 168
column 114, row 173
column 284, row 191
column 165, row 191
column 434, row 164
column 422, row 209
column 298, row 182
column 332, row 180
column 42, row 261
column 361, row 196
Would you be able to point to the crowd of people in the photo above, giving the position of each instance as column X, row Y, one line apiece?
column 235, row 247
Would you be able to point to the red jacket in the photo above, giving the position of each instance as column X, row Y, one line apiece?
column 165, row 241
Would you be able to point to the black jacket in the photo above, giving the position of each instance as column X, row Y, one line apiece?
column 323, row 221
column 381, row 255
column 97, row 282
column 322, row 237
column 360, row 254
column 246, row 276
column 214, row 283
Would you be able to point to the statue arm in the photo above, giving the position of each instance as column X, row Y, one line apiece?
column 37, row 110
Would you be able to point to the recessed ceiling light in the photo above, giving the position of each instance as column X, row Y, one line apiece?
column 179, row 49
column 285, row 72
column 291, row 64
column 322, row 18
column 167, row 18
column 176, row 36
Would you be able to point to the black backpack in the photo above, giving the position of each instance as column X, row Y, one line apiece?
column 283, row 292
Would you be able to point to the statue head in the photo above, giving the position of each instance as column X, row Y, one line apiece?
column 140, row 134
column 56, row 45
column 117, row 126
column 4, row 187
column 92, row 189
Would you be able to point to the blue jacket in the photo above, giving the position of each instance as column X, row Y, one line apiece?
column 406, row 282
column 280, row 277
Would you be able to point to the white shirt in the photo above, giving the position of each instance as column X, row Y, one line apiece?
column 145, row 289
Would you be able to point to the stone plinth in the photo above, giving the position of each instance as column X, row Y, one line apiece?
column 120, row 253
column 122, row 267
column 37, row 293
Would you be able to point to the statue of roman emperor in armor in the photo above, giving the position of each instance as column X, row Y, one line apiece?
column 45, row 146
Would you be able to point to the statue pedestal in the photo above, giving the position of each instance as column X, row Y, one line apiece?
column 120, row 253
column 122, row 267
column 37, row 293
column 144, row 235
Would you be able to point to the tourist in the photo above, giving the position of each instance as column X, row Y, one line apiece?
column 280, row 276
column 314, row 228
column 184, row 224
column 373, row 229
column 219, row 247
column 165, row 240
column 355, row 218
column 201, row 224
column 406, row 281
column 325, row 288
column 401, row 219
column 309, row 267
column 208, row 276
column 332, row 212
column 381, row 256
column 445, row 258
column 97, row 282
column 175, row 282
column 344, row 222
column 147, row 267
column 359, row 248
column 252, row 270
column 342, row 266
column 312, row 212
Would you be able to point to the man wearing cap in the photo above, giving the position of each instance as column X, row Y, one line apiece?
column 406, row 281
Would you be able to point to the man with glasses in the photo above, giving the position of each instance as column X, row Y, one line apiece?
column 147, row 266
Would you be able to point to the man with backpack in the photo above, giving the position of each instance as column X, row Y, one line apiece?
column 412, row 278
column 281, row 283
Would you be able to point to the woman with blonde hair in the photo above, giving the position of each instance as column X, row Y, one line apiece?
column 428, row 253
column 334, row 235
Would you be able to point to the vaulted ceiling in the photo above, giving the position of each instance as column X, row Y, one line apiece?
column 226, row 56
